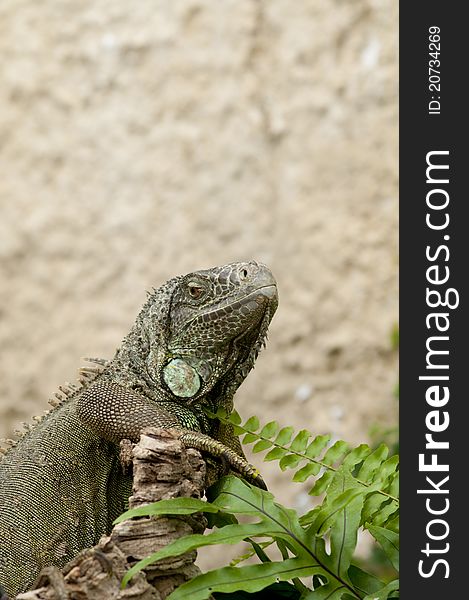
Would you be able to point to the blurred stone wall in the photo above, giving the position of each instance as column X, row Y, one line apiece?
column 143, row 140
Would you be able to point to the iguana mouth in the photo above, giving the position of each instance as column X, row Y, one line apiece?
column 251, row 301
column 268, row 290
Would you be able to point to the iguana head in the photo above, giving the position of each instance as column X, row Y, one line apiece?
column 205, row 326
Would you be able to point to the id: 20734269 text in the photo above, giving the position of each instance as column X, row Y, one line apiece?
column 434, row 73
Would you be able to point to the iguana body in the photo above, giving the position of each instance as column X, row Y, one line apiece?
column 193, row 343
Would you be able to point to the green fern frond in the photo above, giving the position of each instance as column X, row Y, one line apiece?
column 360, row 488
column 303, row 548
column 362, row 472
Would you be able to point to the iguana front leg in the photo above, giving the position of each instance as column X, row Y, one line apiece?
column 115, row 413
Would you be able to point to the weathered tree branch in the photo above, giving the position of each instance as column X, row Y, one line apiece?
column 162, row 468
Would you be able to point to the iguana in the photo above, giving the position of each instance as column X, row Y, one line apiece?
column 193, row 343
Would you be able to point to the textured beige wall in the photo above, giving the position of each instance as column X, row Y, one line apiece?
column 143, row 140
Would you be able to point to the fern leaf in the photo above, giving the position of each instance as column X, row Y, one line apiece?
column 364, row 582
column 384, row 592
column 275, row 454
column 335, row 452
column 284, row 436
column 249, row 438
column 356, row 456
column 300, row 441
column 344, row 536
column 372, row 463
column 330, row 511
column 372, row 504
column 385, row 512
column 184, row 506
column 310, row 516
column 329, row 591
column 236, row 418
column 250, row 552
column 270, row 430
column 389, row 541
column 321, row 483
column 274, row 521
column 386, row 469
column 290, row 461
column 261, row 445
column 306, row 472
column 393, row 522
column 252, row 578
column 252, row 424
column 377, row 474
column 259, row 551
column 394, row 485
column 317, row 446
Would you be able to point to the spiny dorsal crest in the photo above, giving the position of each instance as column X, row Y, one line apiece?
column 66, row 391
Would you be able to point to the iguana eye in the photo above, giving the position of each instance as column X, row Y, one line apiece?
column 195, row 291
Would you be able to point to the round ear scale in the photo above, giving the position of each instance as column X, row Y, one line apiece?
column 182, row 379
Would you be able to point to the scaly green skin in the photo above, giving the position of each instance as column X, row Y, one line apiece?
column 193, row 343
